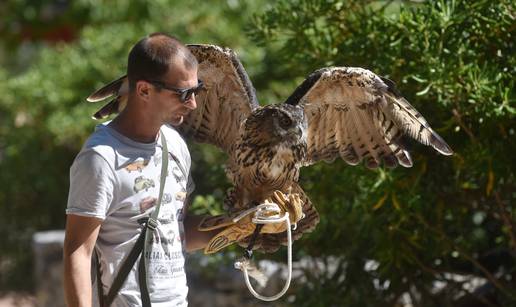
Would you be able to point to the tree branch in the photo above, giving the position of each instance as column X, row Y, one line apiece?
column 465, row 255
column 461, row 123
column 506, row 219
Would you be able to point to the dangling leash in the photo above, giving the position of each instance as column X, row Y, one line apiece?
column 266, row 213
column 275, row 215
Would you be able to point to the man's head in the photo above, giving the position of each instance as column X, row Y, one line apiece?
column 154, row 55
column 159, row 70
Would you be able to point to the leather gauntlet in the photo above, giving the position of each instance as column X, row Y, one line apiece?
column 241, row 229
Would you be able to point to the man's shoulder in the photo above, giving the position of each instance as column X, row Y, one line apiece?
column 101, row 142
column 99, row 137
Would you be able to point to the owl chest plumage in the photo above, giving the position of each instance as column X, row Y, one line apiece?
column 269, row 167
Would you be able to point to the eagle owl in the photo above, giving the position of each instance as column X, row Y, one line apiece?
column 337, row 112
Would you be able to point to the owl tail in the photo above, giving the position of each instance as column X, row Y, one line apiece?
column 270, row 243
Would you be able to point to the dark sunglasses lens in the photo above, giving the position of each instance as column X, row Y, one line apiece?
column 187, row 95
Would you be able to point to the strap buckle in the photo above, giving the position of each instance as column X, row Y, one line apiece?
column 152, row 223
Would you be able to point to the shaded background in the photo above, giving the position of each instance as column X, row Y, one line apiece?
column 441, row 233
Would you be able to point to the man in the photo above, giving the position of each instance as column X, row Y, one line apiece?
column 114, row 183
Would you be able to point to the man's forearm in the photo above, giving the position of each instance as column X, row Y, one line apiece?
column 80, row 237
column 77, row 279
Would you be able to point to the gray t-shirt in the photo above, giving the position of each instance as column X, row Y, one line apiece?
column 117, row 180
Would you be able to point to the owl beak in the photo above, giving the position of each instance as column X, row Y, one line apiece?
column 295, row 131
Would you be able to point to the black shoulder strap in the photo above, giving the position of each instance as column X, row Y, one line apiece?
column 142, row 281
column 124, row 270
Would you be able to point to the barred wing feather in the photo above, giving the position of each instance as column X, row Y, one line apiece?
column 227, row 99
column 356, row 115
column 118, row 87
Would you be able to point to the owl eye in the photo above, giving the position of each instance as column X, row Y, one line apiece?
column 285, row 122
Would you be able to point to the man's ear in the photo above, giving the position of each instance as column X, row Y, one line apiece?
column 143, row 89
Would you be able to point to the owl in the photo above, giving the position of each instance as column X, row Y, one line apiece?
column 337, row 112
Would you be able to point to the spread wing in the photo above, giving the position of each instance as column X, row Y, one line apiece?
column 356, row 115
column 227, row 99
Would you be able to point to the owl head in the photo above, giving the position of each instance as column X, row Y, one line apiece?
column 274, row 124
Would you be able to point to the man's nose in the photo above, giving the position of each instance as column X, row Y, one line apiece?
column 191, row 103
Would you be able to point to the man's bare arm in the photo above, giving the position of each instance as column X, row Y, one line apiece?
column 81, row 234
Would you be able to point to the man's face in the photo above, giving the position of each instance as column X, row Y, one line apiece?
column 167, row 103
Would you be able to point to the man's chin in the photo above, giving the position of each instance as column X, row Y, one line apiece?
column 176, row 121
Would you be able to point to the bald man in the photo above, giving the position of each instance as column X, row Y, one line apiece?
column 115, row 181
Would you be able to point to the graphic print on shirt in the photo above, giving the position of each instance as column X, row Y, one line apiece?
column 169, row 238
column 137, row 166
column 178, row 174
column 181, row 196
column 166, row 258
column 167, row 198
column 141, row 183
column 157, row 158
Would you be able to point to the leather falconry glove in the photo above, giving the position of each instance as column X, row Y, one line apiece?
column 237, row 231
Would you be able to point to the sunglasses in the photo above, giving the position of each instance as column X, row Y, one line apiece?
column 184, row 93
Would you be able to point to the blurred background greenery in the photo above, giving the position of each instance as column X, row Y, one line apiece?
column 439, row 234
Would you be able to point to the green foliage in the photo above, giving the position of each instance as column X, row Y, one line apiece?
column 44, row 118
column 454, row 61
